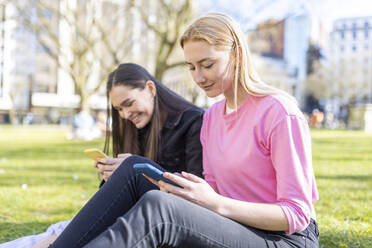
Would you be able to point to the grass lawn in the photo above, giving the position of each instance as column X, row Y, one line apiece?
column 45, row 178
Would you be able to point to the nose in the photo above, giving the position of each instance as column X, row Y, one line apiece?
column 198, row 76
column 125, row 114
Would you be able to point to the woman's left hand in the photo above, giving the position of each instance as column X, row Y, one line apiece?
column 194, row 189
column 107, row 166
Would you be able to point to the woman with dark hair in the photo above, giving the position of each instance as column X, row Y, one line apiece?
column 150, row 120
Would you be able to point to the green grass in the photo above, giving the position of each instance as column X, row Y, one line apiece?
column 343, row 169
column 60, row 179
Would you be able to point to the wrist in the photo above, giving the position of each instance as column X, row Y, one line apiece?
column 218, row 204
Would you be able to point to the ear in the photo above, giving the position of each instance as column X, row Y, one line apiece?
column 150, row 86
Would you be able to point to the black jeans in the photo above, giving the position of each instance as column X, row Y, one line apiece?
column 151, row 218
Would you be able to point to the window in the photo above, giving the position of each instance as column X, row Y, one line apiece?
column 354, row 48
column 354, row 34
column 366, row 34
column 342, row 48
column 366, row 25
column 342, row 35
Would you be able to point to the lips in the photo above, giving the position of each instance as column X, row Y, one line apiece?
column 207, row 87
column 135, row 119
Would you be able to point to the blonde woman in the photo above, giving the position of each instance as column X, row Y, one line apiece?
column 259, row 185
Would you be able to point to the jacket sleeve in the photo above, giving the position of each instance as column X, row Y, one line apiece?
column 193, row 148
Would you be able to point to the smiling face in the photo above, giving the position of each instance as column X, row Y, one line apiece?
column 134, row 104
column 210, row 68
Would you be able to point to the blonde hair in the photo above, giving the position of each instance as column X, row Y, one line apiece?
column 224, row 33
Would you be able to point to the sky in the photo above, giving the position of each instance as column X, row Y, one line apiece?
column 251, row 12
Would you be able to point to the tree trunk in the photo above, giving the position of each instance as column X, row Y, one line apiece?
column 84, row 102
column 12, row 116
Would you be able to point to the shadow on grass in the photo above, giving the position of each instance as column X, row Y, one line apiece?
column 49, row 168
column 49, row 150
column 45, row 153
column 15, row 181
column 346, row 177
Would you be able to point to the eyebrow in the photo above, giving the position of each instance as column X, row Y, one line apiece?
column 123, row 103
column 200, row 61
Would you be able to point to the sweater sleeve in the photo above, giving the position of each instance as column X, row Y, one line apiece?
column 290, row 145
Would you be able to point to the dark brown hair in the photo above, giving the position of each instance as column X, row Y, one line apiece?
column 124, row 133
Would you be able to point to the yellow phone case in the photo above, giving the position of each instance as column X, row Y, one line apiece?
column 94, row 153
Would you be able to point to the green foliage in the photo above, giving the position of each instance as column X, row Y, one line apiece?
column 60, row 179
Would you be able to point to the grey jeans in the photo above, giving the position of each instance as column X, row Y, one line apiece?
column 160, row 219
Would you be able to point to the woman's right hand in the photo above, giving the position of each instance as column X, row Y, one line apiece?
column 107, row 166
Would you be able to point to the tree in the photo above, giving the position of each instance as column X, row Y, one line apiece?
column 167, row 20
column 313, row 55
column 82, row 36
column 330, row 81
column 87, row 39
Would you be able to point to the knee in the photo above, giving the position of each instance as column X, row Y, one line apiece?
column 133, row 159
column 128, row 163
column 157, row 198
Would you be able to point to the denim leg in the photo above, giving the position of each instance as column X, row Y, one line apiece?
column 119, row 194
column 163, row 220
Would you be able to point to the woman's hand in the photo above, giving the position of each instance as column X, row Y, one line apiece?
column 157, row 182
column 194, row 189
column 107, row 166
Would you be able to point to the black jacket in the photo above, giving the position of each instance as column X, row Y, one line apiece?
column 181, row 149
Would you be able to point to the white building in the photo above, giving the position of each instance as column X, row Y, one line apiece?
column 300, row 32
column 25, row 68
column 350, row 57
column 16, row 61
column 297, row 31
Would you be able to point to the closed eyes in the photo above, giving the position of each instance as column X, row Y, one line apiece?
column 192, row 68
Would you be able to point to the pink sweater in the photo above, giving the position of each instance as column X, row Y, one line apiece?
column 261, row 154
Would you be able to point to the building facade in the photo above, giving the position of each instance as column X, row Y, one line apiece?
column 350, row 57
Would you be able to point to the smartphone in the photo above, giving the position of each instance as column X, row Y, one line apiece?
column 94, row 153
column 153, row 172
